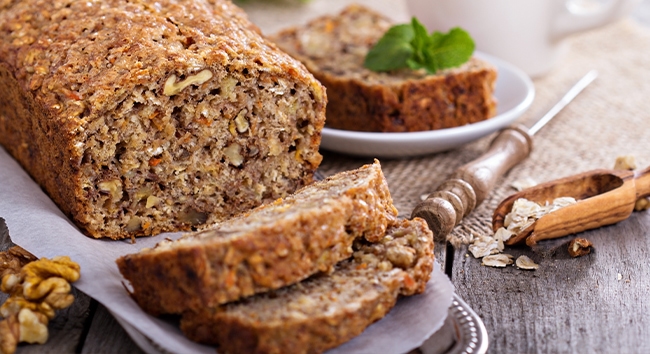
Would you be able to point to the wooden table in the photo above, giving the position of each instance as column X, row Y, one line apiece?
column 596, row 303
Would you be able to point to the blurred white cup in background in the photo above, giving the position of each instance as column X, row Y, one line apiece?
column 527, row 33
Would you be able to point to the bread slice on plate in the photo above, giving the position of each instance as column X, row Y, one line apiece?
column 272, row 246
column 333, row 48
column 140, row 117
column 325, row 310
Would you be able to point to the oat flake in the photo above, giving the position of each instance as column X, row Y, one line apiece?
column 497, row 260
column 524, row 262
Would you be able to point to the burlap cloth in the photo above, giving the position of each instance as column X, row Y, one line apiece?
column 610, row 118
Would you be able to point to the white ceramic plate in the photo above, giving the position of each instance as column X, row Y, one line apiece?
column 514, row 93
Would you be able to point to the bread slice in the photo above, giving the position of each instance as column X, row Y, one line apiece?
column 272, row 246
column 327, row 309
column 334, row 48
column 139, row 117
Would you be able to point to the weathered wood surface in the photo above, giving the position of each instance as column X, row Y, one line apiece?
column 106, row 335
column 592, row 304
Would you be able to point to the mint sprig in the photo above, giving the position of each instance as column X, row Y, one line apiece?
column 410, row 46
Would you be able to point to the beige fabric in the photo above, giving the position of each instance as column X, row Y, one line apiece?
column 610, row 118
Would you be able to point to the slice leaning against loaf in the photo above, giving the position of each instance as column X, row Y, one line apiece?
column 325, row 310
column 334, row 48
column 139, row 117
column 272, row 246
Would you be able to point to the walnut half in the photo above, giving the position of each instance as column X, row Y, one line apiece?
column 36, row 290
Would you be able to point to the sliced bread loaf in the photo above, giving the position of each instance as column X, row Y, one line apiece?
column 327, row 309
column 334, row 48
column 272, row 246
column 139, row 117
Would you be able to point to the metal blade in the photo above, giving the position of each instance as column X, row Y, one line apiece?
column 568, row 97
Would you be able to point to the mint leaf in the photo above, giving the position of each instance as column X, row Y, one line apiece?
column 449, row 50
column 410, row 46
column 419, row 43
column 392, row 50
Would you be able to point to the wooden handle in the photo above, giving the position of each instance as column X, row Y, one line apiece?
column 472, row 182
column 507, row 149
column 439, row 215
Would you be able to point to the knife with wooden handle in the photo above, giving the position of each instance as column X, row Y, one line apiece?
column 470, row 184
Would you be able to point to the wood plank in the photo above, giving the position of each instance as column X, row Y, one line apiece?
column 107, row 336
column 596, row 303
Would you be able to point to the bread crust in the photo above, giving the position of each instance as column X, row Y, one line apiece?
column 334, row 48
column 325, row 310
column 182, row 106
column 272, row 246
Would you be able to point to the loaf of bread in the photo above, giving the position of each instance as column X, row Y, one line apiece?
column 150, row 116
column 334, row 48
column 272, row 246
column 327, row 309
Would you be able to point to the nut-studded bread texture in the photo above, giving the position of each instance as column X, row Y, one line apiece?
column 139, row 117
column 334, row 48
column 325, row 310
column 270, row 247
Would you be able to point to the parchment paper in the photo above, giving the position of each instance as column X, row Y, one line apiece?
column 36, row 224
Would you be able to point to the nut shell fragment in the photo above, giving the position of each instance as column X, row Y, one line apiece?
column 579, row 247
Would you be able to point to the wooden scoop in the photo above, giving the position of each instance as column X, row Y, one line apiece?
column 472, row 182
column 603, row 197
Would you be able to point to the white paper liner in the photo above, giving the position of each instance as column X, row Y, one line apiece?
column 36, row 224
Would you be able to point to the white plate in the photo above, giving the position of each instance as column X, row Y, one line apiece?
column 514, row 93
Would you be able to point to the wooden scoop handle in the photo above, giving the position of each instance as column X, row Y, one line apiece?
column 472, row 182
